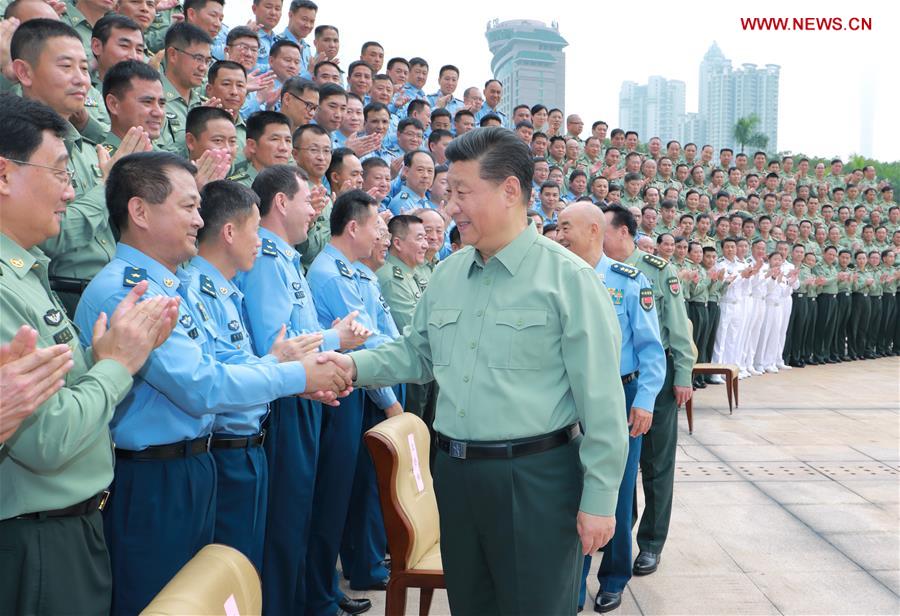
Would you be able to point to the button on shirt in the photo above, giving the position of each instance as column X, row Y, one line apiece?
column 641, row 346
column 516, row 358
column 337, row 290
column 225, row 306
column 182, row 383
column 276, row 293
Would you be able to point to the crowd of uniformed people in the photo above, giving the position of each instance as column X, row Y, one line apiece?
column 197, row 222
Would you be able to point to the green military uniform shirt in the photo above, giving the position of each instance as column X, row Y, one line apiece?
column 173, row 131
column 402, row 289
column 77, row 20
column 425, row 271
column 244, row 173
column 155, row 36
column 670, row 308
column 515, row 358
column 845, row 286
column 829, row 272
column 628, row 201
column 661, row 227
column 319, row 235
column 62, row 454
column 85, row 242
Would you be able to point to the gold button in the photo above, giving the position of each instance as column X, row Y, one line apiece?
column 169, row 282
column 103, row 242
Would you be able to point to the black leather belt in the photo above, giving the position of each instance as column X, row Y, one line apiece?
column 184, row 449
column 61, row 284
column 465, row 450
column 94, row 503
column 237, row 442
column 627, row 378
column 799, row 294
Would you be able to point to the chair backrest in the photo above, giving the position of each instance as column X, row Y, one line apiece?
column 218, row 580
column 400, row 448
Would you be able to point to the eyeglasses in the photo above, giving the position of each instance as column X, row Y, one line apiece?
column 244, row 47
column 63, row 175
column 317, row 151
column 196, row 57
column 310, row 107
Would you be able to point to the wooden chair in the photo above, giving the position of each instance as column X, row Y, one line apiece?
column 218, row 580
column 400, row 452
column 728, row 371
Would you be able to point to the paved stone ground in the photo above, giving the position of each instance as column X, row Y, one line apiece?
column 789, row 506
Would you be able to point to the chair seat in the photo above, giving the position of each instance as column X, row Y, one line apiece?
column 431, row 560
column 723, row 368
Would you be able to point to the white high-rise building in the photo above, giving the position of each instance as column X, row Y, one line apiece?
column 653, row 110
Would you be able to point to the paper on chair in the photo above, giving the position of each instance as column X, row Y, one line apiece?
column 417, row 470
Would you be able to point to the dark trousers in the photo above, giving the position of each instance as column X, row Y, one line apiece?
column 859, row 317
column 795, row 325
column 888, row 315
column 54, row 566
column 159, row 515
column 824, row 335
column 712, row 312
column 809, row 333
column 241, row 496
column 699, row 317
column 873, row 327
column 292, row 449
column 615, row 568
column 338, row 450
column 841, row 321
column 658, row 467
column 365, row 542
column 509, row 542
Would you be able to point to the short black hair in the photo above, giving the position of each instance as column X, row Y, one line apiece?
column 621, row 216
column 307, row 128
column 356, row 64
column 337, row 161
column 327, row 90
column 500, row 154
column 29, row 39
column 280, row 44
column 240, row 32
column 352, row 205
column 198, row 4
column 398, row 226
column 374, row 161
column 105, row 25
column 322, row 28
column 374, row 107
column 415, row 106
column 409, row 156
column 394, row 61
column 296, row 5
column 488, row 117
column 224, row 65
column 223, row 201
column 199, row 117
column 284, row 179
column 144, row 175
column 257, row 122
column 437, row 135
column 184, row 35
column 297, row 86
column 118, row 79
column 22, row 125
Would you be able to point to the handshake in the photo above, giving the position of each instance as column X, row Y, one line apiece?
column 329, row 376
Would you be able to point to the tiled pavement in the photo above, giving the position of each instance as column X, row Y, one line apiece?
column 791, row 505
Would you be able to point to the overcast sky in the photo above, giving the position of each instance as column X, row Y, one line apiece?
column 839, row 90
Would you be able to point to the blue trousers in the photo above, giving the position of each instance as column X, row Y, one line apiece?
column 293, row 429
column 615, row 568
column 242, row 490
column 160, row 513
column 365, row 541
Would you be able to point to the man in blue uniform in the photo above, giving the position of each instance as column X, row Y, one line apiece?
column 643, row 369
column 276, row 295
column 336, row 288
column 162, row 508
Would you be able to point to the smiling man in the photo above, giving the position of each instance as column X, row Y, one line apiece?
column 133, row 94
column 495, row 334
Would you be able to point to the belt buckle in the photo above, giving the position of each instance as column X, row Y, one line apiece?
column 104, row 497
column 457, row 450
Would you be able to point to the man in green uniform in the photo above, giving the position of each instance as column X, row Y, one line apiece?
column 133, row 93
column 826, row 313
column 41, row 49
column 434, row 233
column 312, row 152
column 187, row 60
column 844, row 302
column 54, row 468
column 658, row 450
column 519, row 365
column 888, row 303
column 82, row 17
column 876, row 292
column 268, row 143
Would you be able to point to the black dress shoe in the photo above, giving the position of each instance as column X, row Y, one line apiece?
column 828, row 361
column 607, row 601
column 847, row 358
column 379, row 585
column 354, row 606
column 645, row 563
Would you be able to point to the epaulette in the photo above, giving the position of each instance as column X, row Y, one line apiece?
column 404, row 195
column 625, row 270
column 269, row 248
column 207, row 286
column 110, row 148
column 343, row 270
column 398, row 273
column 237, row 177
column 363, row 275
column 657, row 262
column 134, row 275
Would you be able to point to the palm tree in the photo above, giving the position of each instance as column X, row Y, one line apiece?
column 745, row 132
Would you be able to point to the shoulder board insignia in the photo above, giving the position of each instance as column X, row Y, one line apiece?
column 655, row 261
column 363, row 275
column 343, row 269
column 237, row 177
column 202, row 310
column 625, row 270
column 186, row 320
column 134, row 275
column 398, row 273
column 171, row 114
column 674, row 285
column 207, row 286
column 647, row 299
column 233, row 325
column 63, row 336
column 404, row 195
column 269, row 248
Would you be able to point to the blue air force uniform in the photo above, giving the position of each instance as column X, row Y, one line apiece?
column 406, row 201
column 643, row 370
column 236, row 447
column 162, row 507
column 276, row 293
